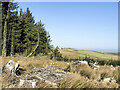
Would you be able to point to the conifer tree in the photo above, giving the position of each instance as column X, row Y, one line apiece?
column 20, row 35
column 14, row 33
column 28, row 31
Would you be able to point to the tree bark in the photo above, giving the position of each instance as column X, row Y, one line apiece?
column 4, row 49
column 4, row 37
column 1, row 30
column 12, row 44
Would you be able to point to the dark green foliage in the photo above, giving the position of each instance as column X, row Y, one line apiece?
column 44, row 41
column 56, row 55
column 9, row 10
column 23, row 36
column 28, row 31
column 51, row 56
column 65, row 58
column 108, row 62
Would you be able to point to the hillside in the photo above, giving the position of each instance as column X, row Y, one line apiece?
column 75, row 53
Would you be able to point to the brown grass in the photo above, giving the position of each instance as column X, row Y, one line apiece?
column 77, row 81
column 82, row 76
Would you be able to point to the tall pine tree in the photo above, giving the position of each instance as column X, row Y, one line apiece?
column 20, row 35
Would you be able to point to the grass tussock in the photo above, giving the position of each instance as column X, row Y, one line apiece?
column 77, row 81
column 93, row 74
column 73, row 81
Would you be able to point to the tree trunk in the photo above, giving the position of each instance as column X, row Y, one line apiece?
column 4, row 38
column 4, row 49
column 1, row 39
column 35, row 47
column 12, row 44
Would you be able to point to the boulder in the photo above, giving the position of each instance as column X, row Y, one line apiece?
column 27, row 83
column 108, row 79
column 81, row 62
column 12, row 67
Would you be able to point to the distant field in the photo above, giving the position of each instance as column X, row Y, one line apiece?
column 75, row 53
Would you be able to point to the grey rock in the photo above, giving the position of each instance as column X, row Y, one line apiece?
column 11, row 67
